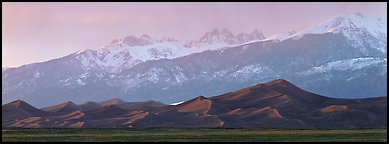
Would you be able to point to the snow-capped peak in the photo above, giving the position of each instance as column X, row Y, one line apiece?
column 349, row 24
column 225, row 37
column 362, row 31
column 257, row 34
column 216, row 36
column 133, row 41
column 122, row 54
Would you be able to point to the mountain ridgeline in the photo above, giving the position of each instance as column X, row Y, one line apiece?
column 275, row 104
column 344, row 57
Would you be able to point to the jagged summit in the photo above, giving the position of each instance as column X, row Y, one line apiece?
column 224, row 35
column 134, row 41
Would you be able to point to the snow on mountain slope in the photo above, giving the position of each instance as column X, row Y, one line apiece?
column 357, row 28
column 224, row 38
column 348, row 64
column 349, row 24
column 125, row 53
column 114, row 59
column 119, row 58
column 362, row 32
column 250, row 71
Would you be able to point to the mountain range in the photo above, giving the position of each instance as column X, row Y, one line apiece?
column 344, row 57
column 275, row 104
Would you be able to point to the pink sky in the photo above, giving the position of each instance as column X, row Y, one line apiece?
column 36, row 32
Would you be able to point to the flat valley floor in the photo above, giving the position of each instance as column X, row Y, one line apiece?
column 190, row 135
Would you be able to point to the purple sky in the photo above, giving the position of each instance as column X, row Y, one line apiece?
column 35, row 32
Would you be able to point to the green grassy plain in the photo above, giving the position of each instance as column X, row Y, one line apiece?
column 191, row 135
